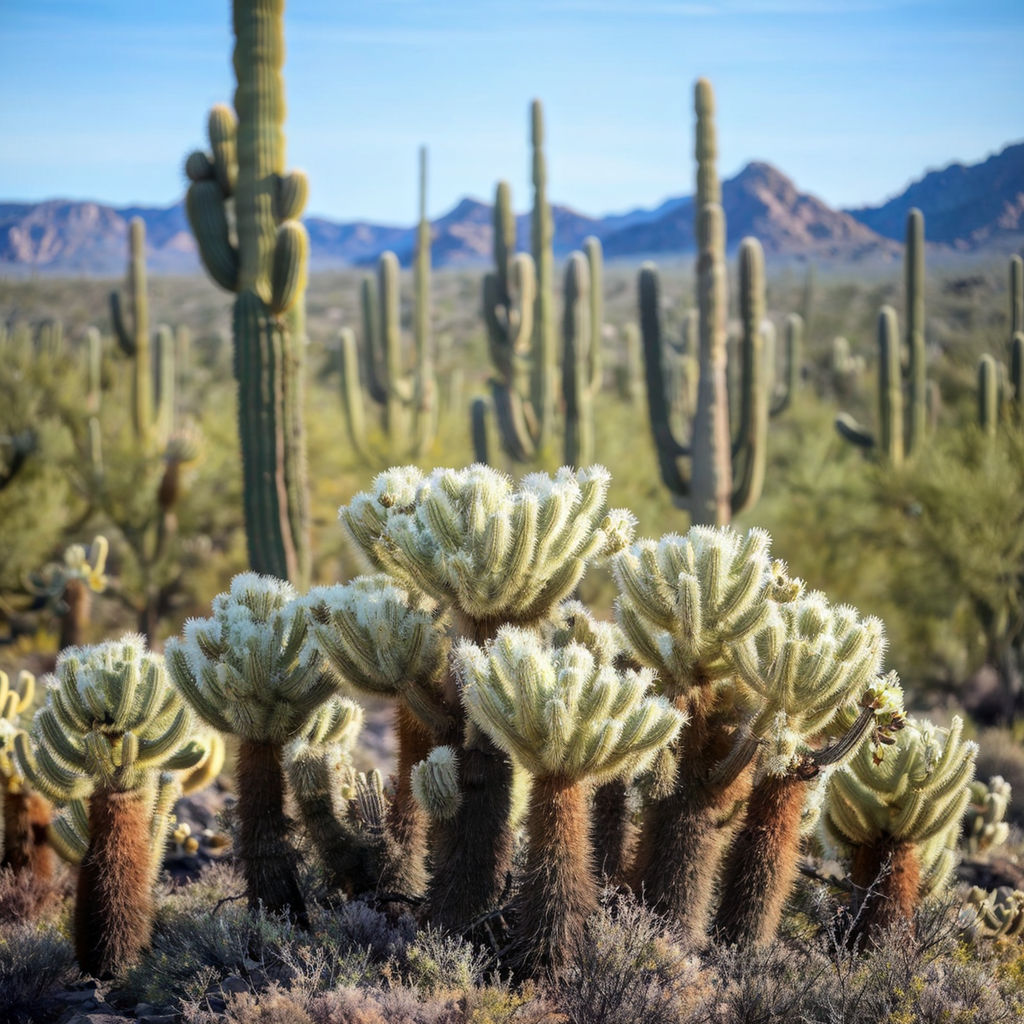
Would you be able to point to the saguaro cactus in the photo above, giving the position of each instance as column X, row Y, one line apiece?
column 568, row 720
column 250, row 671
column 581, row 365
column 264, row 263
column 713, row 490
column 133, row 337
column 509, row 297
column 111, row 725
column 542, row 237
column 896, row 822
column 988, row 395
column 901, row 431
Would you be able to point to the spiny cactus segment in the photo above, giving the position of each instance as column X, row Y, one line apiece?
column 897, row 821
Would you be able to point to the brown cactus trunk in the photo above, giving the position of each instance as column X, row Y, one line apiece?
column 25, row 843
column 613, row 833
column 887, row 878
column 472, row 852
column 559, row 890
column 685, row 834
column 114, row 905
column 268, row 860
column 73, row 624
column 761, row 866
column 405, row 859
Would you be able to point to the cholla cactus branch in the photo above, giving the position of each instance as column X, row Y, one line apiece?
column 897, row 821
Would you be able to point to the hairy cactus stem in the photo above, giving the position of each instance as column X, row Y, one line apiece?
column 26, row 817
column 685, row 833
column 267, row 858
column 405, row 855
column 886, row 877
column 559, row 890
column 762, row 863
column 114, row 903
column 613, row 835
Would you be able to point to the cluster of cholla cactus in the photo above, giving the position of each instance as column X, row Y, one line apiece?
column 111, row 733
column 408, row 399
column 244, row 211
column 715, row 467
column 69, row 585
column 901, row 431
column 723, row 703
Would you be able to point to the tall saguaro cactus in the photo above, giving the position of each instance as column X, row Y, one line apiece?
column 542, row 233
column 902, row 425
column 509, row 293
column 264, row 262
column 133, row 335
column 581, row 365
column 726, row 472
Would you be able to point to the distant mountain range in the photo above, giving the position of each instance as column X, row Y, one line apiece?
column 966, row 208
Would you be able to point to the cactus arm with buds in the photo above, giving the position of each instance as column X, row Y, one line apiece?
column 250, row 671
column 897, row 821
column 111, row 724
column 568, row 720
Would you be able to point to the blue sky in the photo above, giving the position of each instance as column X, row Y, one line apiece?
column 851, row 98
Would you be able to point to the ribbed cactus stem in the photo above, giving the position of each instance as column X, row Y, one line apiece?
column 914, row 278
column 630, row 371
column 595, row 264
column 1017, row 374
column 509, row 299
column 708, row 188
column 390, row 336
column 711, row 501
column 351, row 393
column 988, row 395
column 94, row 369
column 748, row 449
column 425, row 397
column 782, row 394
column 1016, row 294
column 164, row 385
column 890, row 393
column 577, row 342
column 478, row 414
column 542, row 383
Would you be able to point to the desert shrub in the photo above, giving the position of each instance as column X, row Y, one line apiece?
column 33, row 961
column 629, row 967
